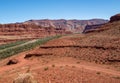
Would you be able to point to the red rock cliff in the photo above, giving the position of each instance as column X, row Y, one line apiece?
column 29, row 29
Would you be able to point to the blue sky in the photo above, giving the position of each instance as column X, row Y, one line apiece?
column 21, row 10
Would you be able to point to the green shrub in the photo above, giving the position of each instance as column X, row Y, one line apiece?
column 46, row 68
column 53, row 65
column 98, row 73
column 12, row 51
column 12, row 44
column 25, row 78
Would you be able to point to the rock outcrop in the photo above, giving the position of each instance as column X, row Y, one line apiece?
column 29, row 29
column 74, row 26
column 115, row 18
column 33, row 29
column 42, row 28
column 19, row 31
column 91, row 28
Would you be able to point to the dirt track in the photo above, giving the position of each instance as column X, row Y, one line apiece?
column 20, row 45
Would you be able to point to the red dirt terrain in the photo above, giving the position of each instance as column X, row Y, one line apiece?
column 33, row 29
column 79, row 58
column 21, row 31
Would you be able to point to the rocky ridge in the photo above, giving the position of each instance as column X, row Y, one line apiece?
column 115, row 18
column 74, row 26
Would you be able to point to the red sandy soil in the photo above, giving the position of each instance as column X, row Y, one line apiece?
column 87, row 58
column 56, row 64
column 60, row 70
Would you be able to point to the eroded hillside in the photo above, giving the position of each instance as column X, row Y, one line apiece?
column 15, row 32
column 75, row 58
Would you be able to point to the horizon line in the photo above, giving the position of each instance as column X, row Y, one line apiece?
column 53, row 19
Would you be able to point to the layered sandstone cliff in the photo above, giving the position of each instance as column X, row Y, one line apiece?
column 74, row 26
column 29, row 29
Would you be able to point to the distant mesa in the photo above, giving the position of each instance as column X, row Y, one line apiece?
column 75, row 26
column 32, row 29
column 115, row 18
column 99, row 27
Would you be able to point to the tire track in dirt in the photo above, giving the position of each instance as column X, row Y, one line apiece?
column 19, row 45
